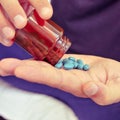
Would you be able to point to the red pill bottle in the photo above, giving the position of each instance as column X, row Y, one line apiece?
column 44, row 40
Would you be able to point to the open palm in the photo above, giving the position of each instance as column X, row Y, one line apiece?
column 104, row 74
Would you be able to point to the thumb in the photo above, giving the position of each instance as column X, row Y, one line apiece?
column 100, row 93
column 43, row 7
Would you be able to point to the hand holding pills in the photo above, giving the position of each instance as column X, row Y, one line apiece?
column 101, row 82
column 13, row 16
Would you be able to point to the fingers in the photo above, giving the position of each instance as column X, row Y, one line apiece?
column 17, row 16
column 48, row 75
column 8, row 65
column 6, row 30
column 12, row 12
column 102, row 94
column 44, row 74
column 43, row 8
column 9, row 14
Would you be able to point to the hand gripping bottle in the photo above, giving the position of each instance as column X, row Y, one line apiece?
column 43, row 39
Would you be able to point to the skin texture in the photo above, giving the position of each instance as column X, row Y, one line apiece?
column 101, row 83
column 13, row 16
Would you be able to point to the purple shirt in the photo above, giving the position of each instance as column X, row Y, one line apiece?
column 94, row 28
column 92, row 25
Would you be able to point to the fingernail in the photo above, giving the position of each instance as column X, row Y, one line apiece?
column 8, row 33
column 2, row 73
column 45, row 12
column 91, row 90
column 6, row 42
column 19, row 21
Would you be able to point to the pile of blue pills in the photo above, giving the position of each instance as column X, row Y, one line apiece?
column 72, row 63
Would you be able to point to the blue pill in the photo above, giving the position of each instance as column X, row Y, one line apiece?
column 80, row 66
column 59, row 65
column 60, row 61
column 75, row 64
column 65, row 60
column 70, row 61
column 68, row 66
column 86, row 67
column 72, row 58
column 80, row 61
